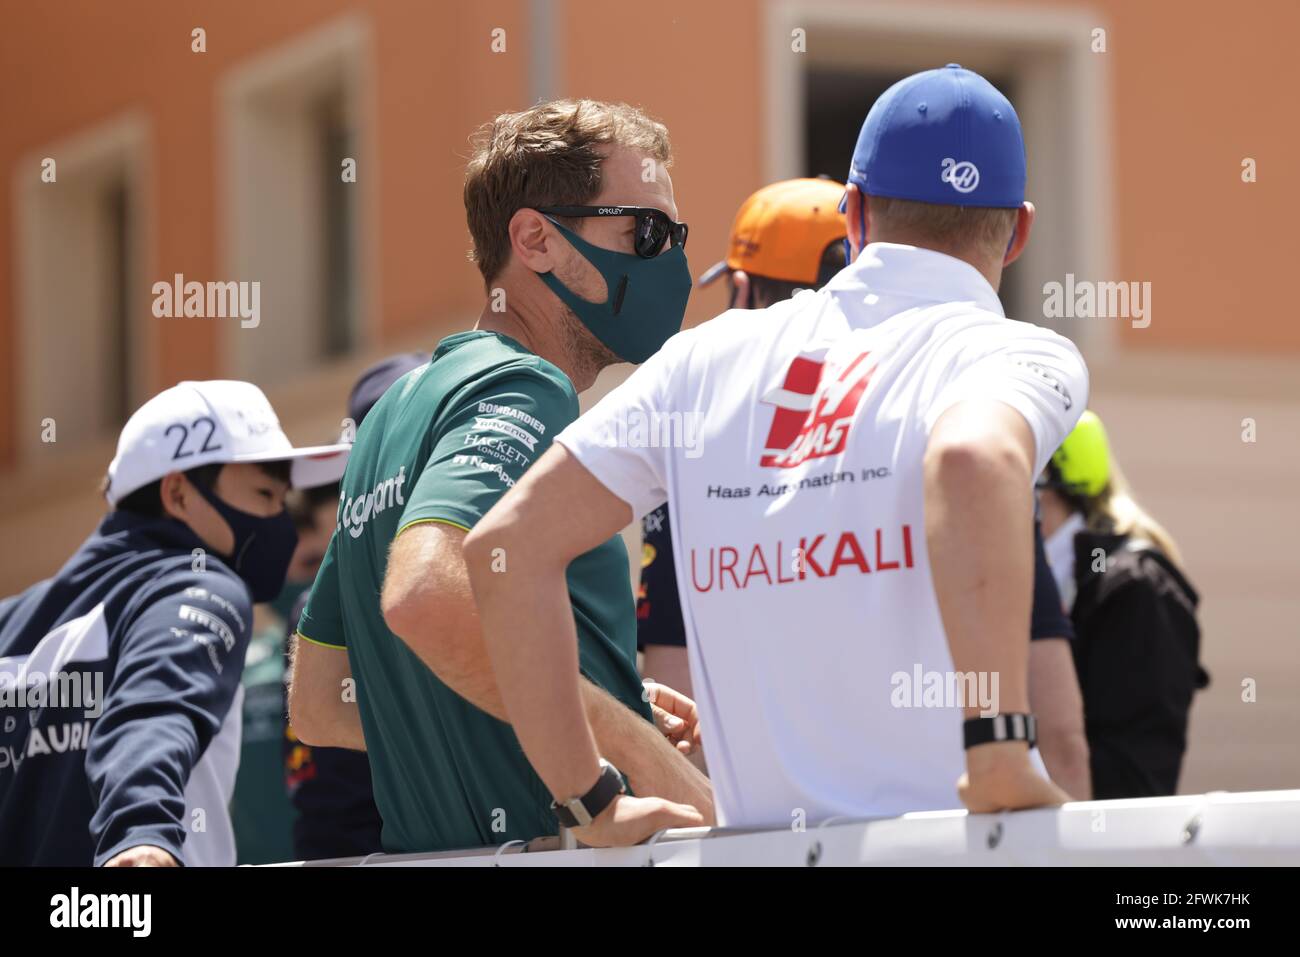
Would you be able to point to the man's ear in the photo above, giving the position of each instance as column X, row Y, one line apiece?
column 534, row 241
column 856, row 215
column 740, row 290
column 1020, row 235
column 175, row 491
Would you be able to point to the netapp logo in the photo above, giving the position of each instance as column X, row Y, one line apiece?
column 134, row 911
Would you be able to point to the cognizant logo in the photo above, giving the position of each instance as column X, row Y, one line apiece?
column 354, row 513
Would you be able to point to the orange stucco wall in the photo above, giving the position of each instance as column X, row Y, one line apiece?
column 1195, row 89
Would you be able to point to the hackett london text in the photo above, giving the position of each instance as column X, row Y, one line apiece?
column 821, row 556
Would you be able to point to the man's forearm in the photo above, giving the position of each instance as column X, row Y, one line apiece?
column 1066, row 756
column 979, row 535
column 538, row 677
column 335, row 723
column 1056, row 702
column 653, row 766
column 527, row 617
column 345, row 731
column 461, row 663
column 441, row 624
column 319, row 713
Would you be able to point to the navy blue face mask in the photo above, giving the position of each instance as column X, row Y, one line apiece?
column 646, row 298
column 263, row 546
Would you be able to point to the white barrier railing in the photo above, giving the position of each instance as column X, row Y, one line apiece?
column 1220, row 828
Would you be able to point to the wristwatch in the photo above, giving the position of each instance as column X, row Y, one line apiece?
column 1000, row 727
column 581, row 811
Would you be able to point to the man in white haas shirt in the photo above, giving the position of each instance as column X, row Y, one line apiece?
column 856, row 515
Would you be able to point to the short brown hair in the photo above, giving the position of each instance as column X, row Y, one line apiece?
column 549, row 155
column 982, row 229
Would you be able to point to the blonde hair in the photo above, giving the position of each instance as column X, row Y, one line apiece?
column 1115, row 511
column 982, row 230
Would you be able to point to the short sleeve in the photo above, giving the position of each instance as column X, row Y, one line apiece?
column 1038, row 373
column 322, row 620
column 485, row 444
column 605, row 439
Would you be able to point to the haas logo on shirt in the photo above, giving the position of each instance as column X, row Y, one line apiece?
column 815, row 405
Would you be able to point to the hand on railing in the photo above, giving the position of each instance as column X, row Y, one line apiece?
column 630, row 820
column 1000, row 777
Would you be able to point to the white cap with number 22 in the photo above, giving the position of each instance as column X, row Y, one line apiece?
column 201, row 423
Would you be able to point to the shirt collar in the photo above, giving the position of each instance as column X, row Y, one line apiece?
column 923, row 275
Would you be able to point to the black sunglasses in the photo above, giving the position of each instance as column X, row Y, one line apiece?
column 653, row 226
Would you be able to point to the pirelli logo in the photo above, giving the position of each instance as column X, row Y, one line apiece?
column 209, row 622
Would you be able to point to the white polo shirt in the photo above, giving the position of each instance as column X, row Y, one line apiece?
column 788, row 444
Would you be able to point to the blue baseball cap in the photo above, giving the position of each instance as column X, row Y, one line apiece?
column 944, row 136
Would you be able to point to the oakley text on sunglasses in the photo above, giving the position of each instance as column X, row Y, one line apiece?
column 652, row 227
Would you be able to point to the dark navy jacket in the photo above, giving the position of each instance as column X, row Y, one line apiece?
column 145, row 638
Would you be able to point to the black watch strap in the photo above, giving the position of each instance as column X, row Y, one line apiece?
column 579, row 812
column 1000, row 727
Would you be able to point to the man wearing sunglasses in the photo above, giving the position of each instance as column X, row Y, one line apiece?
column 651, row 227
column 583, row 265
column 853, row 525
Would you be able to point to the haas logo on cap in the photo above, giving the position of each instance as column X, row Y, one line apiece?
column 963, row 176
column 815, row 407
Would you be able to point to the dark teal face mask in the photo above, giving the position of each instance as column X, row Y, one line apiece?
column 646, row 300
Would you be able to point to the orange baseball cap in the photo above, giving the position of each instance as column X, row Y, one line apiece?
column 782, row 230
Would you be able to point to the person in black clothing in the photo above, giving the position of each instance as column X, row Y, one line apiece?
column 1137, row 639
column 330, row 787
